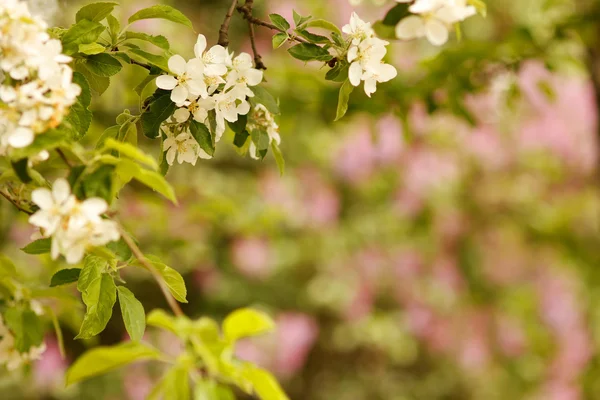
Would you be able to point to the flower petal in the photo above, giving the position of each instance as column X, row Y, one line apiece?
column 42, row 198
column 179, row 94
column 61, row 190
column 355, row 73
column 200, row 46
column 410, row 28
column 166, row 82
column 177, row 64
column 436, row 32
column 94, row 207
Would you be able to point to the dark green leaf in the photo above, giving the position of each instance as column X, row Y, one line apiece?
column 163, row 12
column 158, row 40
column 339, row 73
column 21, row 169
column 133, row 313
column 260, row 137
column 202, row 135
column 240, row 139
column 309, row 52
column 40, row 246
column 160, row 108
column 65, row 276
column 397, row 13
column 80, row 117
column 99, row 183
column 239, row 126
column 103, row 65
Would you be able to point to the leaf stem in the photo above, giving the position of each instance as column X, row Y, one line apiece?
column 148, row 265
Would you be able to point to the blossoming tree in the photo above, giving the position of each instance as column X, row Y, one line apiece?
column 68, row 186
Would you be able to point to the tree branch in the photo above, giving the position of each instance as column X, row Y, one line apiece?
column 155, row 274
column 258, row 63
column 246, row 11
column 15, row 203
column 224, row 30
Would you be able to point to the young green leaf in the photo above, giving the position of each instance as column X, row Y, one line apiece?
column 278, row 157
column 100, row 297
column 103, row 359
column 83, row 32
column 103, row 65
column 142, row 56
column 202, row 135
column 95, row 12
column 172, row 278
column 309, row 52
column 279, row 39
column 246, row 322
column 91, row 48
column 323, row 24
column 114, row 27
column 343, row 99
column 160, row 319
column 40, row 246
column 93, row 267
column 279, row 22
column 299, row 19
column 262, row 96
column 127, row 170
column 127, row 150
column 133, row 313
column 65, row 276
column 163, row 12
column 264, row 383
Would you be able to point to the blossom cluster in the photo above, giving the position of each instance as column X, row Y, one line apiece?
column 10, row 356
column 36, row 87
column 365, row 56
column 433, row 19
column 214, row 80
column 73, row 225
column 262, row 119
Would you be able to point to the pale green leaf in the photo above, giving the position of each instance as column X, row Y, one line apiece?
column 95, row 12
column 127, row 150
column 163, row 12
column 133, row 313
column 343, row 99
column 100, row 297
column 246, row 322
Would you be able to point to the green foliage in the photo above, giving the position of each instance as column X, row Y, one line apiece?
column 279, row 22
column 83, row 32
column 262, row 96
column 246, row 322
column 163, row 12
column 157, row 40
column 80, row 117
column 65, row 276
column 203, row 136
column 309, row 52
column 323, row 24
column 26, row 326
column 173, row 280
column 279, row 39
column 95, row 12
column 103, row 359
column 344, row 97
column 278, row 157
column 130, row 151
column 159, row 108
column 39, row 246
column 99, row 297
column 103, row 65
column 396, row 14
column 133, row 313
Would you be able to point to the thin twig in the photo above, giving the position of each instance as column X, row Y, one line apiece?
column 258, row 63
column 224, row 31
column 64, row 158
column 246, row 11
column 148, row 67
column 15, row 203
column 148, row 265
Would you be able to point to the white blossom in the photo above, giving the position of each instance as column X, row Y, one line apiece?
column 187, row 82
column 433, row 19
column 73, row 225
column 358, row 30
column 261, row 118
column 213, row 60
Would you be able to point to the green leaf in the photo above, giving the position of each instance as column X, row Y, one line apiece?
column 323, row 24
column 103, row 65
column 91, row 48
column 279, row 39
column 173, row 279
column 239, row 126
column 121, row 249
column 127, row 150
column 103, row 359
column 114, row 27
column 26, row 326
column 158, row 40
column 40, row 246
column 95, row 12
column 343, row 99
column 99, row 183
column 240, row 139
column 339, row 73
column 160, row 319
column 397, row 13
column 98, row 83
column 83, row 32
column 93, row 266
column 160, row 108
column 133, row 313
column 163, row 12
column 278, row 157
column 264, row 383
column 246, row 322
column 261, row 139
column 313, row 38
column 142, row 56
column 202, row 135
column 139, row 89
column 80, row 117
column 262, row 96
column 100, row 297
column 128, row 133
column 299, row 19
column 309, row 52
column 21, row 169
column 279, row 22
column 65, row 276
column 176, row 384
column 109, row 133
column 7, row 267
column 128, row 170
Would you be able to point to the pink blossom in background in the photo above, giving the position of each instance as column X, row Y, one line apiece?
column 285, row 351
column 137, row 382
column 319, row 199
column 474, row 353
column 355, row 159
column 389, row 141
column 49, row 371
column 252, row 257
column 426, row 170
column 511, row 337
column 445, row 271
column 486, row 146
column 207, row 278
column 361, row 303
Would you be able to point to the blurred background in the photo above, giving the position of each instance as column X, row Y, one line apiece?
column 442, row 241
